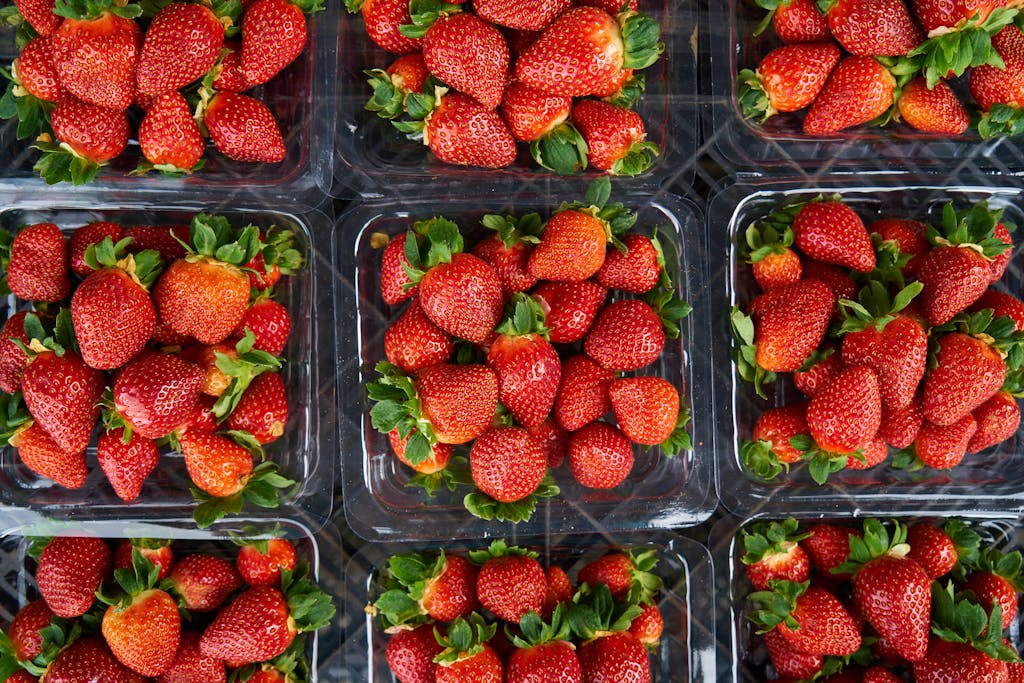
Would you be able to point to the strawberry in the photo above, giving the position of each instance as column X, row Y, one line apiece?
column 611, row 6
column 543, row 651
column 435, row 461
column 37, row 269
column 508, row 249
column 998, row 264
column 161, row 238
column 907, row 236
column 410, row 654
column 620, row 570
column 846, row 414
column 873, row 27
column 156, row 392
column 541, row 118
column 638, row 269
column 441, row 588
column 181, row 44
column 261, row 562
column 879, row 674
column 262, row 621
column 584, row 48
column 279, row 255
column 168, row 135
column 391, row 86
column 998, row 419
column 511, row 582
column 393, row 278
column 515, row 15
column 93, row 136
column 787, row 660
column 383, row 19
column 270, row 323
column 968, row 373
column 44, row 457
column 773, row 261
column 89, row 658
column 647, row 411
column 40, row 15
column 615, row 657
column 873, row 453
column 959, row 35
column 84, row 237
column 933, row 15
column 24, row 632
column 507, row 464
column 932, row 110
column 627, row 335
column 34, row 70
column 858, row 90
column 459, row 130
column 812, row 619
column 95, row 51
column 818, row 371
column 203, row 582
column 648, row 626
column 569, row 308
column 244, row 129
column 838, row 279
column 831, row 232
column 615, row 138
column 900, row 427
column 827, row 546
column 263, row 409
column 273, row 35
column 600, row 456
column 938, row 549
column 158, row 552
column 71, row 569
column 126, row 461
column 787, row 79
column 772, row 552
column 527, row 366
column 63, row 393
column 583, row 393
column 958, row 661
column 13, row 360
column 995, row 88
column 189, row 664
column 944, row 446
column 559, row 590
column 228, row 70
column 771, row 449
column 997, row 580
column 553, row 440
column 466, row 658
column 796, row 21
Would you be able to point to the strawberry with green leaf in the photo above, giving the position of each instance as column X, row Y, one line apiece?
column 508, row 248
column 638, row 269
column 794, row 21
column 859, row 90
column 787, row 79
column 511, row 582
column 169, row 137
column 383, row 20
column 630, row 334
column 996, row 579
column 647, row 410
column 543, row 650
column 960, row 36
column 467, row 657
column 773, row 552
column 615, row 137
column 85, row 138
column 407, row 74
column 811, row 619
column 771, row 256
column 510, row 470
column 542, row 119
column 609, row 652
column 126, row 459
column 181, row 44
column 34, row 87
column 274, row 34
column 998, row 419
column 422, row 588
column 771, row 448
column 458, row 129
column 940, row 549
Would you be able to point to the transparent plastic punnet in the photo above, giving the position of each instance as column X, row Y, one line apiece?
column 742, row 656
column 374, row 157
column 322, row 648
column 992, row 480
column 781, row 142
column 302, row 99
column 305, row 452
column 660, row 491
column 686, row 602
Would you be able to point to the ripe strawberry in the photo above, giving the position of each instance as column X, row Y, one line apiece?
column 540, row 118
column 879, row 674
column 94, row 134
column 619, row 570
column 39, row 14
column 38, row 265
column 553, row 440
column 168, row 135
column 95, row 55
column 772, row 437
column 158, row 552
column 648, row 626
column 435, row 461
column 25, row 639
column 932, row 110
column 934, row 549
column 89, row 658
column 583, row 393
column 799, row 21
column 34, row 70
column 873, row 453
column 844, row 416
column 157, row 392
column 627, row 335
column 612, row 7
column 900, row 427
column 410, row 654
column 527, row 366
column 615, row 657
column 511, row 581
column 263, row 409
column 997, row 579
column 270, row 323
column 126, row 462
column 218, row 466
column 273, row 35
column 787, row 79
column 584, row 48
column 215, row 380
column 38, row 452
column 636, row 270
column 507, row 464
column 383, row 19
column 838, row 279
column 143, row 627
column 508, row 249
column 393, row 278
column 600, row 456
column 812, row 619
column 90, row 234
column 464, row 132
column 229, row 76
column 462, row 296
column 244, row 129
column 953, row 278
column 646, row 408
column 203, row 582
column 968, row 373
column 615, row 137
column 858, row 90
column 998, row 264
column 160, row 238
column 907, row 236
column 991, row 85
column 444, row 587
column 772, row 260
column 574, row 242
column 827, row 546
column 559, row 590
column 13, row 360
column 260, row 562
column 831, row 232
column 569, row 308
column 818, row 371
column 544, row 659
column 467, row 659
column 787, row 660
column 190, row 664
column 71, row 569
column 468, row 54
column 873, row 27
column 181, row 44
column 772, row 552
column 943, row 446
column 515, row 15
column 958, row 661
column 998, row 419
column 63, row 394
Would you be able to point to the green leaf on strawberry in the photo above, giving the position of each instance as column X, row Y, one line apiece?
column 875, row 307
column 309, row 606
column 951, row 54
column 13, row 414
column 53, row 638
column 92, row 9
column 464, row 637
column 262, row 489
column 242, row 369
column 58, row 163
column 562, row 150
column 593, row 610
column 483, row 506
column 958, row 619
column 764, row 538
column 745, row 353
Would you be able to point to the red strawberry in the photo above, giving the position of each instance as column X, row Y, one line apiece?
column 263, row 409
column 190, row 664
column 559, row 590
column 572, row 247
column 464, row 132
column 787, row 660
column 39, row 14
column 13, row 360
column 229, row 76
column 143, row 629
column 618, row 570
column 270, row 323
column 611, row 6
column 879, row 674
column 507, row 464
column 527, row 366
column 382, row 19
column 413, row 342
column 410, row 654
column 583, row 393
column 616, row 657
column 898, row 352
column 273, row 35
column 531, row 113
column 934, row 15
column 874, row 453
column 462, row 297
column 773, row 553
column 932, row 548
column 900, row 427
column 44, row 457
column 787, row 79
column 873, row 27
column 515, row 15
column 34, row 70
column 435, row 461
column 393, row 278
column 217, row 465
column 168, row 135
column 96, row 57
column 38, row 267
column 827, row 546
column 772, row 437
column 158, row 552
column 260, row 562
column 789, row 323
column 997, row 580
column 858, row 90
column 991, row 85
column 646, row 408
column 637, row 270
column 157, row 392
column 999, row 263
column 553, row 440
column 648, row 626
column 93, row 133
column 569, row 308
column 845, row 415
column 953, row 278
column 468, row 54
column 933, row 110
column 627, row 335
column 90, row 234
column 907, row 236
column 244, row 129
column 968, row 373
column 89, row 658
column 511, row 581
column 600, row 455
column 838, row 279
column 998, row 419
column 508, row 250
column 126, row 463
column 615, row 137
column 958, row 661
column 551, row 660
column 823, row 626
column 772, row 260
column 482, row 666
column 1001, row 304
column 800, row 21
column 23, row 633
column 160, row 238
column 71, row 570
column 820, row 369
column 447, row 585
column 182, row 43
column 831, row 232
column 944, row 446
column 63, row 394
column 203, row 582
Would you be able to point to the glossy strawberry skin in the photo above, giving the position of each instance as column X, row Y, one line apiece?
column 410, row 654
column 933, row 15
column 511, row 586
column 780, row 424
column 264, row 569
column 263, row 409
column 38, row 267
column 570, row 308
column 452, row 593
column 790, row 322
column 800, row 21
column 382, row 19
column 874, row 27
column 953, row 278
column 790, row 564
column 507, row 464
column 145, row 634
column 189, row 664
column 393, row 278
column 204, row 581
column 935, row 110
column 244, row 129
column 529, row 372
column 998, row 419
column 609, row 132
column 162, row 556
column 34, row 69
column 71, row 569
column 858, row 90
column 160, row 238
column 463, row 132
column 24, row 629
column 181, row 44
column 583, row 393
column 510, row 263
column 894, row 595
column 483, row 667
column 157, row 392
column 516, row 15
column 413, row 342
column 216, row 464
column 96, row 59
column 470, row 55
column 968, row 373
column 463, row 297
column 87, row 235
column 113, row 318
column 273, row 35
column 909, row 236
column 818, row 375
column 531, row 113
column 944, row 446
column 459, row 400
column 846, row 414
column 231, row 78
column 787, row 660
column 991, row 85
column 997, row 266
column 89, row 659
column 898, row 354
column 646, row 408
column 617, row 657
column 932, row 548
column 572, row 247
column 95, row 133
column 202, row 297
column 63, row 394
column 989, row 588
column 600, row 456
column 832, row 232
column 559, row 590
column 440, row 454
column 636, row 271
column 254, row 627
column 554, row 661
column 126, row 465
column 271, row 324
column 41, row 454
column 39, row 14
column 955, row 661
column 899, row 428
column 168, row 135
column 627, row 335
column 828, row 546
column 793, row 75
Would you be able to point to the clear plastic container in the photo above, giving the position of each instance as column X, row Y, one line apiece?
column 374, row 159
column 989, row 481
column 740, row 659
column 686, row 602
column 306, row 451
column 780, row 143
column 319, row 551
column 660, row 492
column 302, row 99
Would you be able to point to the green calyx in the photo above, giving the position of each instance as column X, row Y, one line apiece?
column 768, row 538
column 776, row 606
column 889, row 263
column 534, row 631
column 262, row 489
column 242, row 369
column 638, row 159
column 442, row 240
column 745, row 353
column 629, row 93
column 767, row 240
column 388, row 99
column 645, row 584
column 13, row 416
column 594, row 611
column 679, row 440
column 142, row 576
column 310, row 607
column 419, row 106
column 968, row 46
column 641, row 39
column 972, row 229
column 213, row 237
column 999, row 333
column 292, row 664
column 752, row 98
column 405, row 578
column 512, row 230
column 250, row 538
column 464, row 638
column 874, row 307
column 480, row 505
column 144, row 267
column 562, row 150
column 41, row 338
column 499, row 548
column 278, row 248
column 1001, row 120
column 669, row 308
column 55, row 636
column 1002, row 564
column 959, row 619
column 616, row 216
column 876, row 542
column 759, row 459
column 425, row 14
column 93, row 9
column 59, row 164
column 523, row 317
column 398, row 407
column 33, row 114
column 967, row 543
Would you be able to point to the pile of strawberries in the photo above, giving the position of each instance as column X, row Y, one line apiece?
column 854, row 62
column 557, row 74
column 534, row 625
column 137, row 614
column 169, row 335
column 513, row 350
column 931, row 602
column 85, row 63
column 897, row 333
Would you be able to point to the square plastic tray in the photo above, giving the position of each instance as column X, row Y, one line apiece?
column 660, row 492
column 992, row 480
column 686, row 602
column 306, row 451
column 373, row 158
